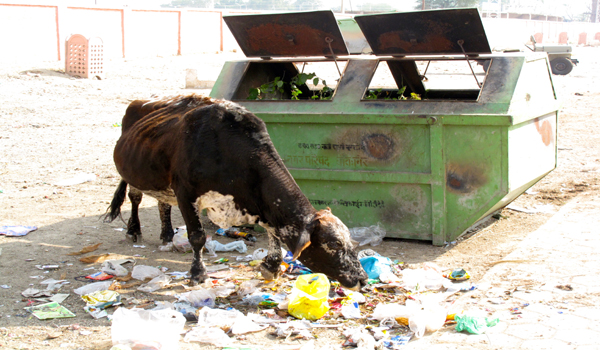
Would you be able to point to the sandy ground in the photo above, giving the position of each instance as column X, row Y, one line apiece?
column 54, row 127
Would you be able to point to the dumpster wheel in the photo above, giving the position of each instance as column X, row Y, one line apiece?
column 561, row 66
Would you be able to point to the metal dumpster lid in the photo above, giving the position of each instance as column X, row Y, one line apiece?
column 433, row 32
column 287, row 34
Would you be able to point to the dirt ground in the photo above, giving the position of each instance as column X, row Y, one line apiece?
column 53, row 127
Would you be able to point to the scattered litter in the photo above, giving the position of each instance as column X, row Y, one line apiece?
column 474, row 324
column 458, row 275
column 147, row 329
column 5, row 286
column 16, row 231
column 59, row 297
column 235, row 232
column 139, row 246
column 78, row 179
column 49, row 311
column 99, row 276
column 214, row 246
column 372, row 235
column 181, row 241
column 92, row 287
column 309, row 297
column 115, row 268
column 376, row 265
column 214, row 336
column 54, row 285
column 155, row 284
column 259, row 254
column 36, row 293
column 47, row 267
column 141, row 272
column 97, row 302
column 86, row 250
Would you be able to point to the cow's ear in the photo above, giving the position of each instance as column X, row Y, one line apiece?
column 303, row 243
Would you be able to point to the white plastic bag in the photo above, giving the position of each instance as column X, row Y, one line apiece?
column 259, row 254
column 141, row 272
column 223, row 319
column 248, row 287
column 115, row 268
column 92, row 287
column 214, row 246
column 214, row 336
column 200, row 297
column 181, row 241
column 155, row 284
column 157, row 329
column 372, row 235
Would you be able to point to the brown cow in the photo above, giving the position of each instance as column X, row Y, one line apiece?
column 200, row 153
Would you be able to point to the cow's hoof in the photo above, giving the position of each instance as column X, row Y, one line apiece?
column 133, row 237
column 267, row 274
column 194, row 281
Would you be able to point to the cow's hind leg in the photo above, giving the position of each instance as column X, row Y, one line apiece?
column 270, row 267
column 166, row 230
column 134, row 229
column 196, row 236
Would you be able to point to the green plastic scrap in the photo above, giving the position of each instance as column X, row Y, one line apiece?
column 474, row 324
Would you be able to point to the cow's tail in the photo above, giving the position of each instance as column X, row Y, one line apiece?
column 114, row 210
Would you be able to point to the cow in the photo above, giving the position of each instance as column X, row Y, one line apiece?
column 201, row 153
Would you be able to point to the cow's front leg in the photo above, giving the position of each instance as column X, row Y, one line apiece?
column 196, row 236
column 134, row 228
column 166, row 230
column 270, row 267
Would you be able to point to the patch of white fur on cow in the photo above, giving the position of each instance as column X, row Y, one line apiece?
column 262, row 137
column 165, row 196
column 222, row 211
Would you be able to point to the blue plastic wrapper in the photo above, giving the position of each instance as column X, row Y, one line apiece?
column 375, row 265
column 397, row 341
column 296, row 267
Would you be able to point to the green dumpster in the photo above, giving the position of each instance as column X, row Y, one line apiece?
column 426, row 136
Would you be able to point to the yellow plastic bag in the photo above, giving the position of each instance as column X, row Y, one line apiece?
column 309, row 297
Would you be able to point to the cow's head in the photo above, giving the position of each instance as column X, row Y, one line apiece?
column 325, row 246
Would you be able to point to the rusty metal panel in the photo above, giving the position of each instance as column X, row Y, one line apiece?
column 439, row 32
column 296, row 34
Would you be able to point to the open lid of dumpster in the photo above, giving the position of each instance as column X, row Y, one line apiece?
column 434, row 32
column 314, row 33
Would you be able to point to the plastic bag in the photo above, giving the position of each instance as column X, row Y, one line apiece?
column 213, row 246
column 223, row 319
column 424, row 279
column 181, row 241
column 155, row 284
column 141, row 272
column 92, row 287
column 259, row 254
column 474, row 324
column 113, row 267
column 309, row 297
column 147, row 329
column 214, row 336
column 427, row 316
column 376, row 265
column 224, row 291
column 200, row 297
column 372, row 235
column 248, row 287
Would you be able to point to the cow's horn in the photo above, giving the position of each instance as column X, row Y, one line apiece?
column 303, row 243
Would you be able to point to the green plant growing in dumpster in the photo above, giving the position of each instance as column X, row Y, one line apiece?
column 277, row 86
column 379, row 94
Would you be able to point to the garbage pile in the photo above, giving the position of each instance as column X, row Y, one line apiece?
column 400, row 302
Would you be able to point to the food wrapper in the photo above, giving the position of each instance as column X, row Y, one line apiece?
column 101, row 299
column 49, row 311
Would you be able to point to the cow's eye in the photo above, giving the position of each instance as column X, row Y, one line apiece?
column 335, row 245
